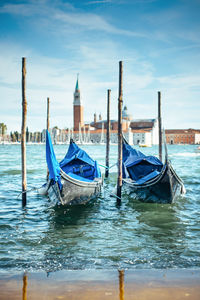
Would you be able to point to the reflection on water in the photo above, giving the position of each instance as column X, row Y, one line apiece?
column 72, row 215
column 137, row 284
column 24, row 290
column 121, row 284
column 121, row 287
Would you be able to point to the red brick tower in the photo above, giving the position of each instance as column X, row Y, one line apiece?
column 78, row 108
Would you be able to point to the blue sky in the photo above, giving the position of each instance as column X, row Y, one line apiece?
column 158, row 42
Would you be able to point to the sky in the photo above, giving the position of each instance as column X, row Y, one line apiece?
column 157, row 40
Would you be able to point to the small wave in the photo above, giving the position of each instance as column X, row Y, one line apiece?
column 11, row 172
column 17, row 172
column 187, row 154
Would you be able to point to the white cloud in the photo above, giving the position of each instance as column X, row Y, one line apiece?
column 34, row 7
column 181, row 81
column 55, row 78
column 93, row 22
column 99, row 2
column 68, row 16
column 96, row 58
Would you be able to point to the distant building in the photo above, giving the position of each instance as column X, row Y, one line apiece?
column 78, row 108
column 182, row 136
column 145, row 131
column 99, row 124
column 136, row 131
column 142, row 137
column 126, row 115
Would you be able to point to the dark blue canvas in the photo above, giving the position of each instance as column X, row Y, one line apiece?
column 74, row 152
column 76, row 162
column 136, row 165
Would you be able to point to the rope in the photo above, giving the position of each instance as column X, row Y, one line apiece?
column 111, row 194
column 108, row 167
column 33, row 189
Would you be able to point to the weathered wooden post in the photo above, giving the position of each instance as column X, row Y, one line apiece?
column 48, row 101
column 48, row 113
column 108, row 134
column 159, row 126
column 23, row 131
column 120, row 102
column 121, row 284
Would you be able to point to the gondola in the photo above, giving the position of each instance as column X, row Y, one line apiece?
column 149, row 178
column 76, row 179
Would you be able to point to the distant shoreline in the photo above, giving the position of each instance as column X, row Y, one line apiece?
column 88, row 144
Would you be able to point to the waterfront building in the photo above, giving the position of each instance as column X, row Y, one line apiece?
column 142, row 137
column 142, row 131
column 145, row 131
column 182, row 136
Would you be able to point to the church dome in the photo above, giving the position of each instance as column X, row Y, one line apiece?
column 126, row 115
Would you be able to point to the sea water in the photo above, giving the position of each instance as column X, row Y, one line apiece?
column 100, row 234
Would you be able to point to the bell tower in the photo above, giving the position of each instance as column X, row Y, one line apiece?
column 78, row 108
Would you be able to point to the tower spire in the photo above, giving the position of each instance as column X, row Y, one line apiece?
column 77, row 86
column 78, row 108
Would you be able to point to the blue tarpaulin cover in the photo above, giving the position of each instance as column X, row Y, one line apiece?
column 53, row 165
column 76, row 161
column 74, row 152
column 79, row 162
column 80, row 178
column 136, row 165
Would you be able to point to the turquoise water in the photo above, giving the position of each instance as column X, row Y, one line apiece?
column 98, row 235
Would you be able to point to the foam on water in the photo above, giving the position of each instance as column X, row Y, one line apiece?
column 188, row 154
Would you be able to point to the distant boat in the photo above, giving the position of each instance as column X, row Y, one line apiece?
column 76, row 179
column 149, row 178
column 197, row 150
column 144, row 145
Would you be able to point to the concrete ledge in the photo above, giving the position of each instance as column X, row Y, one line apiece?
column 102, row 284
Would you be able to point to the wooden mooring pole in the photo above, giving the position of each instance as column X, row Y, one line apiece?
column 48, row 101
column 120, row 102
column 48, row 113
column 108, row 134
column 23, row 131
column 159, row 126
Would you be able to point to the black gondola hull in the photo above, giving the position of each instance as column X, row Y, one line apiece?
column 74, row 191
column 164, row 188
